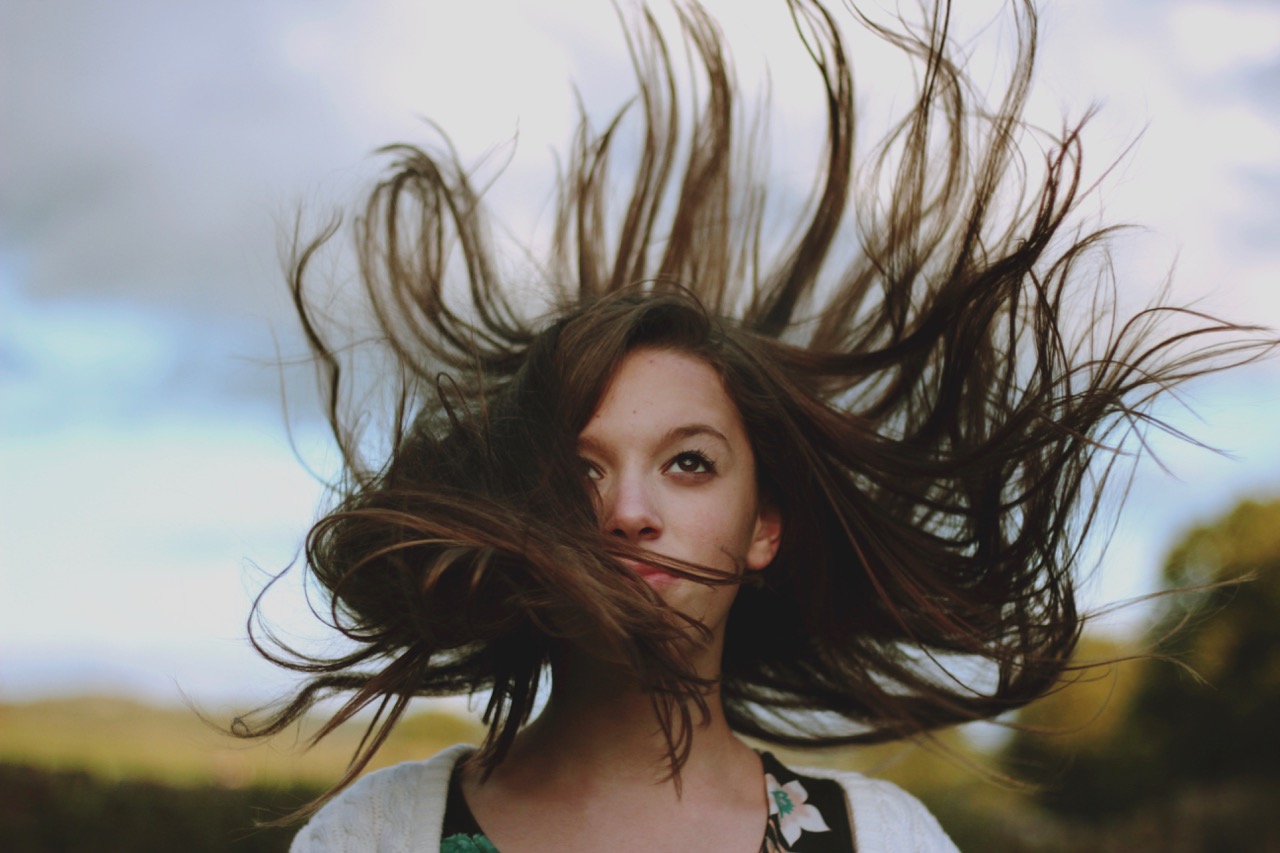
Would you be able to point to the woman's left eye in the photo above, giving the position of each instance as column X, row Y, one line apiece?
column 692, row 462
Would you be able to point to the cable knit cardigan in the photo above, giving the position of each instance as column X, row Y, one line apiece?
column 401, row 808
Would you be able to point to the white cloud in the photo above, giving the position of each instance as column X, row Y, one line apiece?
column 137, row 544
column 1221, row 38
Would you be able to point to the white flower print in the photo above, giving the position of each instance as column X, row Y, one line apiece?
column 795, row 815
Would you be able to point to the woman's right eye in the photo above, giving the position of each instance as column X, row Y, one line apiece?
column 592, row 470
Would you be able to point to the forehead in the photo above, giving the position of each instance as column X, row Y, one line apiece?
column 662, row 389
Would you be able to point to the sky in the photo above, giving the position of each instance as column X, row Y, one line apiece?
column 152, row 155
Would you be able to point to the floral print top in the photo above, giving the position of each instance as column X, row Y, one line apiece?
column 806, row 815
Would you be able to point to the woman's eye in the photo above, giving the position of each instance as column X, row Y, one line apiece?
column 592, row 471
column 692, row 462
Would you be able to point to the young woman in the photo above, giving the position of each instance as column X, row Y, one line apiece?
column 833, row 496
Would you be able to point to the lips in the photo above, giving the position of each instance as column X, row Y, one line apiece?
column 650, row 574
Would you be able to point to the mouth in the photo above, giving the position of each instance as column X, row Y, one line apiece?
column 650, row 574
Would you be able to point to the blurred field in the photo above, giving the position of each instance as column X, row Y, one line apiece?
column 104, row 773
column 117, row 739
column 50, row 811
column 98, row 773
column 101, row 773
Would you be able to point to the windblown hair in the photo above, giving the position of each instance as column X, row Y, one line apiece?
column 932, row 377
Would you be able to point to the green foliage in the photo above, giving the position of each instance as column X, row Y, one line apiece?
column 1209, row 724
column 75, row 812
column 1227, row 726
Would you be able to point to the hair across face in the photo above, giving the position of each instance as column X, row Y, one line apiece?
column 674, row 474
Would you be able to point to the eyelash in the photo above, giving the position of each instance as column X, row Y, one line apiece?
column 700, row 460
column 696, row 457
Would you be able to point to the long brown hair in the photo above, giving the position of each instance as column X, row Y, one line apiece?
column 929, row 413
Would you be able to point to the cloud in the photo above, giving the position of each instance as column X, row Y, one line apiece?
column 161, row 144
column 143, row 152
column 131, row 548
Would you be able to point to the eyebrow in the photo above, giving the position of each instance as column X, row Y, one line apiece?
column 674, row 434
column 691, row 431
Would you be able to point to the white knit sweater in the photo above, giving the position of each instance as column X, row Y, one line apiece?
column 401, row 809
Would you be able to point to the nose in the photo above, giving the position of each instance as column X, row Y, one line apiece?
column 631, row 511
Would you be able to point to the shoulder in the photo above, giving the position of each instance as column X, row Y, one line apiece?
column 397, row 808
column 885, row 817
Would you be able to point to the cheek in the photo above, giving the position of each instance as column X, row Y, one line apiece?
column 724, row 527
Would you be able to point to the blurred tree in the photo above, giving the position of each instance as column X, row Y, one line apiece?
column 1211, row 725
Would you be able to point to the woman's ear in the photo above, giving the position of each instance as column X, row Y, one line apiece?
column 765, row 539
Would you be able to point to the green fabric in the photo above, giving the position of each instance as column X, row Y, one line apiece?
column 467, row 844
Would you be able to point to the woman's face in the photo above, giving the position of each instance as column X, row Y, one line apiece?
column 675, row 473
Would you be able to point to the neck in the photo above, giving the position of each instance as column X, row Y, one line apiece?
column 599, row 747
column 601, row 724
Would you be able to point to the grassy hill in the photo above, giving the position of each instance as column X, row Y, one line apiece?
column 102, row 773
column 97, row 773
column 119, row 739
